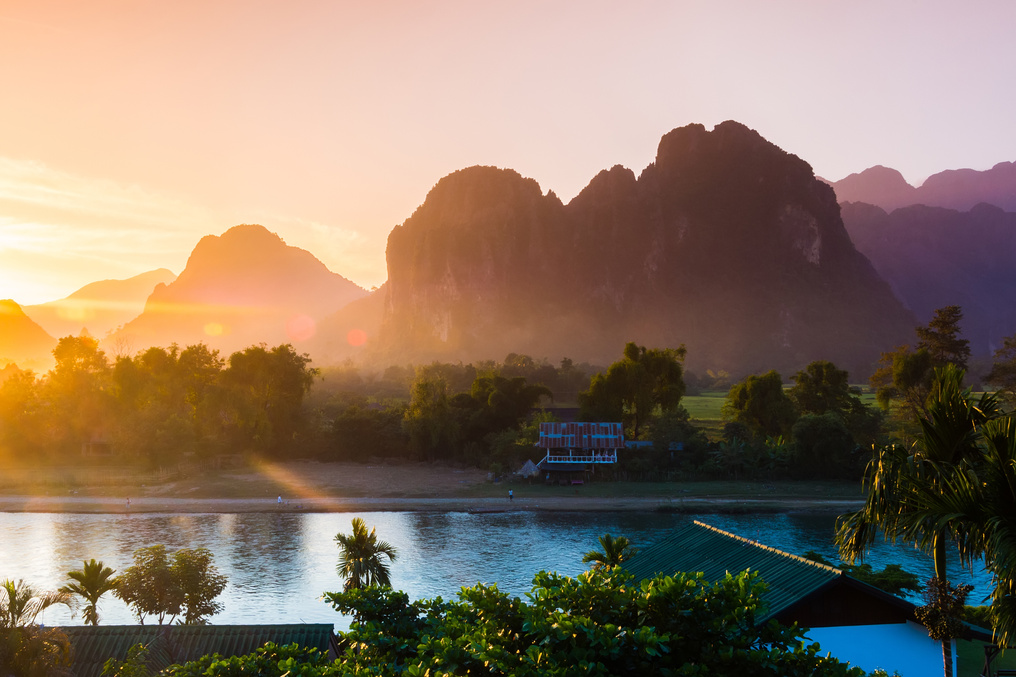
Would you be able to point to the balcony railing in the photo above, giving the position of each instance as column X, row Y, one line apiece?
column 605, row 457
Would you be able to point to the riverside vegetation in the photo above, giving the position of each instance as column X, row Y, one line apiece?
column 168, row 406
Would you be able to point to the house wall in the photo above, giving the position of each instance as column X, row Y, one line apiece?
column 903, row 647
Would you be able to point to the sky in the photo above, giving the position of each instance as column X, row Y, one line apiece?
column 129, row 129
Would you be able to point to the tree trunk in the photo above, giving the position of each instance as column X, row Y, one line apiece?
column 939, row 556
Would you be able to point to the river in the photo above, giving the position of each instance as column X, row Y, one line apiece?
column 279, row 564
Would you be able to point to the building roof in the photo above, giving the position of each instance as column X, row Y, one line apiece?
column 700, row 547
column 790, row 579
column 168, row 644
column 581, row 436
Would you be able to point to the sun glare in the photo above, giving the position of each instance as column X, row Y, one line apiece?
column 214, row 329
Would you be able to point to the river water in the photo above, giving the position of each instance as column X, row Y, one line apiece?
column 279, row 564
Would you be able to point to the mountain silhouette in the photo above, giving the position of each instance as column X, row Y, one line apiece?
column 726, row 244
column 244, row 287
column 933, row 257
column 959, row 189
column 99, row 307
column 22, row 341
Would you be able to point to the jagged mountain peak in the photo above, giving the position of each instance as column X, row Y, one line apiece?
column 725, row 243
column 243, row 287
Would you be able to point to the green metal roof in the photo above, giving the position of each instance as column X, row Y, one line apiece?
column 700, row 547
column 168, row 644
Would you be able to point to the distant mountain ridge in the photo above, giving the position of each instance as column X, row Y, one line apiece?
column 725, row 243
column 99, row 307
column 959, row 189
column 933, row 257
column 242, row 288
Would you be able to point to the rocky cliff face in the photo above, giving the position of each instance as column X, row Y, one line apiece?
column 933, row 257
column 725, row 243
column 244, row 287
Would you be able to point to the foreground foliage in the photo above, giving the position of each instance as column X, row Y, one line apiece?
column 599, row 623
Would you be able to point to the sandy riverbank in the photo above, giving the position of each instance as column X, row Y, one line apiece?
column 98, row 504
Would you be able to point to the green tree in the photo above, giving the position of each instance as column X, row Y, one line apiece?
column 906, row 374
column 906, row 486
column 91, row 582
column 21, row 604
column 22, row 410
column 166, row 401
column 27, row 650
column 148, row 588
column 822, row 388
column 760, row 404
column 1002, row 374
column 264, row 390
column 361, row 555
column 77, row 390
column 615, row 551
column 164, row 587
column 634, row 388
column 200, row 583
column 601, row 622
column 941, row 338
column 823, row 447
column 429, row 421
column 976, row 505
column 33, row 651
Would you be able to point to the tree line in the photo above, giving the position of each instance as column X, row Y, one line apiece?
column 159, row 406
column 168, row 404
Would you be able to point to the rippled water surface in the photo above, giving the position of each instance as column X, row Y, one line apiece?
column 278, row 565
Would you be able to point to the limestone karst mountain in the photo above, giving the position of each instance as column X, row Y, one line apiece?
column 725, row 243
column 99, row 307
column 959, row 189
column 22, row 341
column 244, row 287
column 933, row 257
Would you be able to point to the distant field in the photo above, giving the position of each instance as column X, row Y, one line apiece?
column 706, row 406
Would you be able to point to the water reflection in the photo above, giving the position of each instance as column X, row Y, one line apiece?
column 279, row 564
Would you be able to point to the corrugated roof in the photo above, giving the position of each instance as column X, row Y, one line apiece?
column 169, row 644
column 556, row 435
column 700, row 547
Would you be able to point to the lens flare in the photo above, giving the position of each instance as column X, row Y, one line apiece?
column 356, row 337
column 300, row 328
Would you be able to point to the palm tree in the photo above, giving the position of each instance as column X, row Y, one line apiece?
column 360, row 557
column 904, row 485
column 615, row 551
column 978, row 505
column 91, row 582
column 21, row 604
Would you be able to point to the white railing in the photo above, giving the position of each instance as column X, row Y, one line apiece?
column 606, row 457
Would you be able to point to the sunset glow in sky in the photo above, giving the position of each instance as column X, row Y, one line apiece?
column 131, row 128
